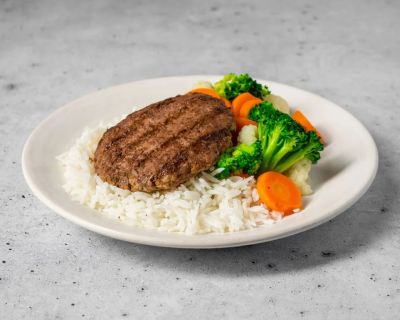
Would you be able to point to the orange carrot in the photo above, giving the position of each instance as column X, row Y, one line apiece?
column 227, row 102
column 212, row 93
column 239, row 100
column 241, row 122
column 301, row 119
column 207, row 91
column 247, row 106
column 278, row 192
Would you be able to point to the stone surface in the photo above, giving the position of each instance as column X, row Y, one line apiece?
column 52, row 52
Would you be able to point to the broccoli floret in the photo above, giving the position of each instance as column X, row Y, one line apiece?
column 309, row 151
column 281, row 143
column 242, row 158
column 232, row 85
column 283, row 140
column 262, row 111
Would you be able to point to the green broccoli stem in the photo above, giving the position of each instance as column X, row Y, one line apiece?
column 283, row 151
column 294, row 157
column 271, row 146
column 262, row 135
column 290, row 161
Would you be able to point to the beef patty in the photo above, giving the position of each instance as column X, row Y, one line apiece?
column 165, row 143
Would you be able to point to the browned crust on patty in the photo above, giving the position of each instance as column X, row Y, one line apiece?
column 164, row 144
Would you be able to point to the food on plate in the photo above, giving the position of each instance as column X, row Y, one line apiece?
column 301, row 119
column 241, row 122
column 164, row 144
column 299, row 174
column 278, row 102
column 204, row 204
column 211, row 92
column 242, row 158
column 278, row 192
column 223, row 157
column 268, row 137
column 242, row 99
column 247, row 106
column 248, row 134
column 283, row 140
column 232, row 85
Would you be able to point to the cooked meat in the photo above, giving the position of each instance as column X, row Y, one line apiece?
column 164, row 144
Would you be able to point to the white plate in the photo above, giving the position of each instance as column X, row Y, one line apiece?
column 344, row 173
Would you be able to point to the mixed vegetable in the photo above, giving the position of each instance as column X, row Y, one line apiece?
column 276, row 147
column 233, row 85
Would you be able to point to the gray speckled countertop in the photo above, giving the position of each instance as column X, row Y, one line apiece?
column 52, row 52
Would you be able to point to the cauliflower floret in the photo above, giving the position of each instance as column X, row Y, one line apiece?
column 248, row 134
column 279, row 103
column 203, row 84
column 299, row 173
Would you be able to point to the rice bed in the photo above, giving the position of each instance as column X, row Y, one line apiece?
column 202, row 205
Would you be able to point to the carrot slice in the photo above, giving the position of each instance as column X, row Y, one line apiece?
column 247, row 106
column 207, row 91
column 301, row 119
column 212, row 93
column 239, row 100
column 227, row 102
column 241, row 122
column 278, row 192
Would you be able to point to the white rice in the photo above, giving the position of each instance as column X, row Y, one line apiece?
column 202, row 205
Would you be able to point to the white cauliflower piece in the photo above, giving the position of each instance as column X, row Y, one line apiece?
column 279, row 103
column 299, row 174
column 203, row 84
column 248, row 134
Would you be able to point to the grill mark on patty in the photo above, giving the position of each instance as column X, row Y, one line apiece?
column 172, row 116
column 174, row 137
column 220, row 134
column 177, row 143
column 171, row 162
column 176, row 158
column 162, row 140
column 141, row 128
column 137, row 157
